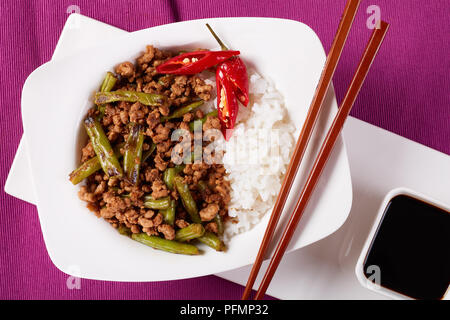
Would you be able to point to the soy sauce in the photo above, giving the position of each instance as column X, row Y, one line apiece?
column 411, row 249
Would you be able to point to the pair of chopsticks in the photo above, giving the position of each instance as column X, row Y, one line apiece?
column 325, row 150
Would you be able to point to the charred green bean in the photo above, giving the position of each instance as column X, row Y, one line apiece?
column 169, row 213
column 159, row 204
column 125, row 231
column 187, row 200
column 85, row 170
column 89, row 167
column 220, row 227
column 108, row 84
column 133, row 153
column 180, row 112
column 102, row 148
column 148, row 99
column 213, row 241
column 192, row 231
column 149, row 152
column 170, row 173
column 165, row 245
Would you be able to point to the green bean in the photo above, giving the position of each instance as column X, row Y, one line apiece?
column 149, row 152
column 108, row 84
column 202, row 120
column 133, row 153
column 213, row 241
column 179, row 168
column 192, row 231
column 169, row 213
column 85, row 170
column 101, row 109
column 165, row 245
column 148, row 99
column 90, row 166
column 168, row 176
column 220, row 227
column 125, row 231
column 170, row 173
column 180, row 112
column 102, row 148
column 150, row 203
column 187, row 200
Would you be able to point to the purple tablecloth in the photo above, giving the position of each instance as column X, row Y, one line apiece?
column 406, row 92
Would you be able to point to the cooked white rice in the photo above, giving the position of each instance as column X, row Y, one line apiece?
column 257, row 155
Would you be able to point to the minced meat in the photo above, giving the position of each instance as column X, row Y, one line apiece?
column 118, row 201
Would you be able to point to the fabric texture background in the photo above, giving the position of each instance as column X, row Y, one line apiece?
column 406, row 92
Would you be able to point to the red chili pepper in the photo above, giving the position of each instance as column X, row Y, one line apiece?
column 194, row 62
column 227, row 105
column 235, row 70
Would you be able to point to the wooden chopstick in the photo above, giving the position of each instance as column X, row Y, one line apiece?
column 327, row 146
column 327, row 74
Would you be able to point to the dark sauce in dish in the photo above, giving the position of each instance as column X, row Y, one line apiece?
column 411, row 249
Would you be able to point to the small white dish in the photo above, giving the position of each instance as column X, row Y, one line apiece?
column 76, row 240
column 359, row 268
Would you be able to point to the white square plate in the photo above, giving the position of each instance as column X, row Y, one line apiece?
column 56, row 96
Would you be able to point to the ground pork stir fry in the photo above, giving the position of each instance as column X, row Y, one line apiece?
column 130, row 180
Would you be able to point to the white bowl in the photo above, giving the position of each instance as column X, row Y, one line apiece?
column 359, row 268
column 56, row 96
